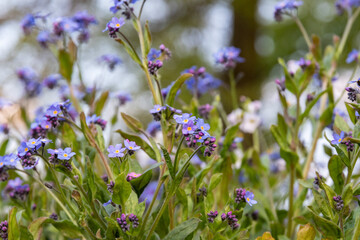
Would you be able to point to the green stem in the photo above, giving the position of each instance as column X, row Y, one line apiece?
column 303, row 31
column 144, row 62
column 57, row 183
column 53, row 196
column 151, row 205
column 233, row 89
column 356, row 235
column 346, row 33
column 170, row 194
column 176, row 161
column 141, row 9
column 91, row 203
column 291, row 200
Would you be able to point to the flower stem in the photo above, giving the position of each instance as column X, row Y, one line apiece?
column 303, row 31
column 346, row 33
column 233, row 89
column 176, row 161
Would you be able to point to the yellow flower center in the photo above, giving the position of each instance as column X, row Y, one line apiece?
column 117, row 25
column 248, row 199
column 117, row 151
column 131, row 147
column 47, row 126
column 340, row 139
column 1, row 163
column 202, row 127
column 189, row 128
column 158, row 109
column 26, row 149
column 12, row 160
column 55, row 112
column 65, row 155
column 200, row 138
column 186, row 120
column 33, row 142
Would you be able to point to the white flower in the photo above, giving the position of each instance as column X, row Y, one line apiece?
column 250, row 122
column 254, row 106
column 235, row 116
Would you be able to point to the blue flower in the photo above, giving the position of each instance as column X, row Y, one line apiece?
column 183, row 119
column 249, row 198
column 131, row 146
column 189, row 128
column 228, row 57
column 117, row 151
column 346, row 5
column 65, row 154
column 353, row 56
column 107, row 203
column 53, row 151
column 153, row 54
column 51, row 81
column 284, row 6
column 114, row 25
column 202, row 126
column 45, row 141
column 111, row 60
column 23, row 149
column 92, row 119
column 123, row 97
column 44, row 38
column 11, row 160
column 53, row 111
column 3, row 162
column 338, row 138
column 201, row 81
column 27, row 23
column 83, row 19
column 157, row 109
column 153, row 128
column 33, row 143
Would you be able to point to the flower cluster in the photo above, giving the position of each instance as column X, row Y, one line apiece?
column 154, row 63
column 4, row 226
column 124, row 6
column 195, row 131
column 15, row 190
column 244, row 196
column 231, row 220
column 228, row 57
column 28, row 149
column 284, row 7
column 212, row 215
column 338, row 203
column 123, row 223
column 111, row 60
column 30, row 79
column 316, row 182
column 52, row 80
column 346, row 5
column 90, row 120
column 29, row 22
column 118, row 150
column 201, row 82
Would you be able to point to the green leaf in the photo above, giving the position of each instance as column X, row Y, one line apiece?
column 67, row 228
column 289, row 81
column 170, row 98
column 13, row 233
column 306, row 232
column 229, row 138
column 140, row 183
column 341, row 124
column 132, row 123
column 325, row 227
column 168, row 162
column 347, row 194
column 86, row 131
column 65, row 65
column 113, row 230
column 90, row 180
column 140, row 142
column 326, row 116
column 214, row 181
column 356, row 133
column 308, row 183
column 100, row 103
column 147, row 38
column 335, row 167
column 3, row 147
column 130, row 51
column 323, row 204
column 289, row 156
column 122, row 189
column 183, row 230
column 279, row 138
column 99, row 138
column 344, row 158
column 351, row 112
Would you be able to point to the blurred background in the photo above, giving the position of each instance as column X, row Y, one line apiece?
column 192, row 29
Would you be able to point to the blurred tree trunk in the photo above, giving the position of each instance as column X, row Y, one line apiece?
column 244, row 35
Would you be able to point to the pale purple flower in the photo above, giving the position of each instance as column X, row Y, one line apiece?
column 117, row 151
